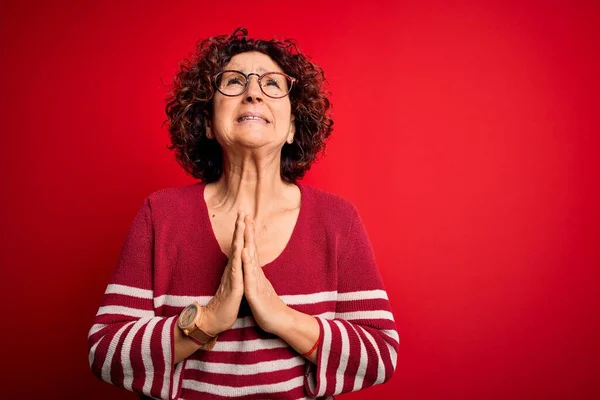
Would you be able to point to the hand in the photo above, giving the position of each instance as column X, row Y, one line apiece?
column 268, row 309
column 223, row 308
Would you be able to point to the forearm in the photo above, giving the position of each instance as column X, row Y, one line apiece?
column 183, row 345
column 300, row 331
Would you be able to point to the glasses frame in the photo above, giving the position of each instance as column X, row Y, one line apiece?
column 247, row 76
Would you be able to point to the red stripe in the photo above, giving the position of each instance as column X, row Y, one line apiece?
column 372, row 359
column 97, row 336
column 116, row 368
column 381, row 339
column 102, row 349
column 353, row 359
column 363, row 305
column 112, row 319
column 158, row 358
column 375, row 323
column 113, row 299
column 333, row 362
column 240, row 381
column 244, row 358
column 139, row 372
column 291, row 394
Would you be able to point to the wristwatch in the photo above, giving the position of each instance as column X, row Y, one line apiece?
column 190, row 322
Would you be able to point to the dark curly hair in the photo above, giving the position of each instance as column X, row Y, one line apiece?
column 189, row 105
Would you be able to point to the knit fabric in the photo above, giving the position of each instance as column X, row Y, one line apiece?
column 171, row 258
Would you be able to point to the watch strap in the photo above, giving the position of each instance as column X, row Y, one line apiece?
column 194, row 332
column 202, row 338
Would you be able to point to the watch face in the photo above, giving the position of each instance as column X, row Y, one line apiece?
column 188, row 315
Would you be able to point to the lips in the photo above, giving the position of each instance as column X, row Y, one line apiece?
column 252, row 116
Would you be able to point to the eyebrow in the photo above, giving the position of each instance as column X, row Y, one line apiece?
column 260, row 70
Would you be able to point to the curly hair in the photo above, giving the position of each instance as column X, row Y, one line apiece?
column 189, row 105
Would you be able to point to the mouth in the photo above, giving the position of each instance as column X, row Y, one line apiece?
column 252, row 118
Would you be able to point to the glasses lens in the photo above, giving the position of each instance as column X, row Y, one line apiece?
column 275, row 84
column 231, row 83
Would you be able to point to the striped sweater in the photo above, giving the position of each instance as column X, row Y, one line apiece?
column 171, row 257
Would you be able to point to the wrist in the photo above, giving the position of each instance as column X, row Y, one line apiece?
column 209, row 321
column 286, row 322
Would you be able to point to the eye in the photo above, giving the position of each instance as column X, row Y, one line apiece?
column 234, row 81
column 272, row 82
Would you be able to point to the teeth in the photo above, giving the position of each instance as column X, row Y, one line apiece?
column 250, row 117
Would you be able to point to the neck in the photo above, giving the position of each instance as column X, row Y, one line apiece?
column 250, row 185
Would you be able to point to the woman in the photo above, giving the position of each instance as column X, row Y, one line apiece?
column 248, row 283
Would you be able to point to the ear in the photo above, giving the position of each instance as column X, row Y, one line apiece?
column 290, row 138
column 208, row 125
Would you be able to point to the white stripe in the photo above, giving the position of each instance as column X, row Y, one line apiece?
column 393, row 356
column 147, row 355
column 92, row 353
column 180, row 301
column 392, row 333
column 376, row 314
column 249, row 345
column 132, row 312
column 363, row 295
column 324, row 357
column 176, row 376
column 345, row 352
column 245, row 322
column 245, row 369
column 165, row 339
column 126, row 352
column 380, row 365
column 128, row 291
column 312, row 298
column 234, row 391
column 362, row 363
column 112, row 347
column 95, row 328
column 294, row 299
column 310, row 378
column 291, row 299
column 326, row 315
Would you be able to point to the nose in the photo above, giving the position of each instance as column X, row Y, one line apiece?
column 253, row 93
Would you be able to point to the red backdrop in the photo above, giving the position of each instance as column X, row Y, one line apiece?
column 466, row 134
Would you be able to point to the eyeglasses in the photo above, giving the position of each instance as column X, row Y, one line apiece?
column 273, row 84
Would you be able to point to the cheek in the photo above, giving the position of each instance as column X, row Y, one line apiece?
column 284, row 113
column 222, row 112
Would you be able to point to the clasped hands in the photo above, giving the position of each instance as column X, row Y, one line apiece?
column 243, row 276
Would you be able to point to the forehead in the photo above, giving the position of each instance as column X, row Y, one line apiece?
column 252, row 61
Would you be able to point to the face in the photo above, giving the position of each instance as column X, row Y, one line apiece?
column 252, row 119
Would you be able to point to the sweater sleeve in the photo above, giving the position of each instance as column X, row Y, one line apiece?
column 129, row 346
column 358, row 346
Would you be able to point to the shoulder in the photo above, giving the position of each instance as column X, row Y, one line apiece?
column 327, row 206
column 177, row 193
column 179, row 199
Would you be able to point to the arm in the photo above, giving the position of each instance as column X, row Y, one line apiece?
column 129, row 346
column 358, row 347
column 299, row 330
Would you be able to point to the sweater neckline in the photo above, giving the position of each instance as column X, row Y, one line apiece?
column 291, row 242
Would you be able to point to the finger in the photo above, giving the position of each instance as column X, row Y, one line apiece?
column 237, row 243
column 250, row 242
column 249, row 269
column 248, row 233
column 250, row 238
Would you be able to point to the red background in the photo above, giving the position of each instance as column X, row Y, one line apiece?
column 466, row 134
